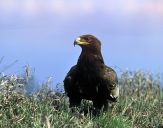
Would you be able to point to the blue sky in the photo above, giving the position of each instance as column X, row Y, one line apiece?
column 41, row 33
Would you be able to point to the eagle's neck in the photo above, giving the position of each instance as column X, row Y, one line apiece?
column 90, row 61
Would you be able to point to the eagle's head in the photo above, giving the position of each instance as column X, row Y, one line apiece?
column 88, row 42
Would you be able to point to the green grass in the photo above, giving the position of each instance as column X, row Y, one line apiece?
column 140, row 105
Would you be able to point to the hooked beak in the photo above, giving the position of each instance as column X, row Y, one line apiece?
column 79, row 41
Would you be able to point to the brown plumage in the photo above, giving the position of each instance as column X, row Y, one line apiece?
column 90, row 78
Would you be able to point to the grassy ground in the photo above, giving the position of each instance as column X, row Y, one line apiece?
column 140, row 105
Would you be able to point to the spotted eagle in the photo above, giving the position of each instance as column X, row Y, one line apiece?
column 90, row 78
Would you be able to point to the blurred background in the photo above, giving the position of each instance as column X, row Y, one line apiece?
column 40, row 33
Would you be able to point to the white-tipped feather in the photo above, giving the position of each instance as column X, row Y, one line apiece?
column 115, row 92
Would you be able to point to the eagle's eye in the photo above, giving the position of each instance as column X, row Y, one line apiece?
column 86, row 39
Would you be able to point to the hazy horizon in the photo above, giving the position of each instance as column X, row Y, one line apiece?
column 41, row 34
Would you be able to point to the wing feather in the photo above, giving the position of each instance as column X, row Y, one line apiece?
column 69, row 79
column 111, row 82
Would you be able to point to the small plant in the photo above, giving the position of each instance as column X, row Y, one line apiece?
column 140, row 104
